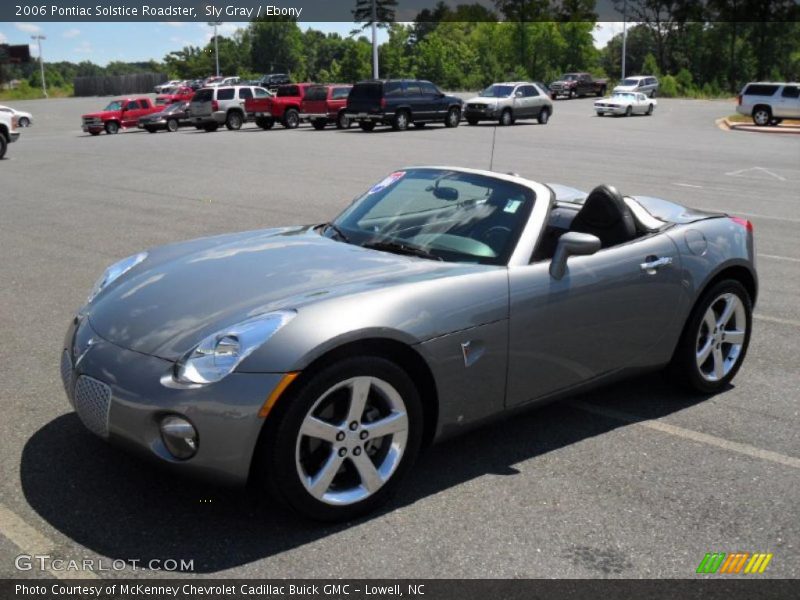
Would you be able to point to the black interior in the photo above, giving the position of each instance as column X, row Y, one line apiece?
column 603, row 214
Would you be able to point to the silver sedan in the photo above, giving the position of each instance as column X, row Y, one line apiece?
column 318, row 360
column 625, row 103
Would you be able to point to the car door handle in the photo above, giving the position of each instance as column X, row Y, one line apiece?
column 652, row 263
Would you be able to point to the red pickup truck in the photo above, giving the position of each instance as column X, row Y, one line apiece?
column 179, row 94
column 284, row 106
column 121, row 113
column 325, row 104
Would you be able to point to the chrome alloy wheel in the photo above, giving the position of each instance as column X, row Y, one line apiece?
column 721, row 337
column 352, row 440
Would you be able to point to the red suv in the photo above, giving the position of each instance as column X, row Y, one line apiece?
column 283, row 107
column 325, row 104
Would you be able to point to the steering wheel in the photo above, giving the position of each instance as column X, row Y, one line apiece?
column 495, row 237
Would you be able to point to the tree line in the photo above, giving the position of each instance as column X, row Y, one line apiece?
column 470, row 46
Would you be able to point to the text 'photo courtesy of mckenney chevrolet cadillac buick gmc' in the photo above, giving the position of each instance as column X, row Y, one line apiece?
column 317, row 360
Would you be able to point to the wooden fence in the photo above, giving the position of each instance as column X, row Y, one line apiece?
column 140, row 83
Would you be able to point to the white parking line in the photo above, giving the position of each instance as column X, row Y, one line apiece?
column 689, row 185
column 777, row 320
column 33, row 543
column 776, row 257
column 688, row 434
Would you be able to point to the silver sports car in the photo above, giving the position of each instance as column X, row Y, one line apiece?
column 320, row 359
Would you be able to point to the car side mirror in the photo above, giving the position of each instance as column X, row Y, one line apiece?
column 572, row 243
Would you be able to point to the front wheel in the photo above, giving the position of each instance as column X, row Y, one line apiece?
column 112, row 127
column 628, row 111
column 340, row 444
column 453, row 117
column 343, row 121
column 172, row 125
column 291, row 119
column 715, row 339
column 650, row 109
column 544, row 116
column 400, row 121
column 24, row 122
column 506, row 118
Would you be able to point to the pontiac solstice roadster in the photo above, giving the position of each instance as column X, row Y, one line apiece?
column 318, row 360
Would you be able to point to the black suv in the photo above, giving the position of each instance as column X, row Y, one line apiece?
column 401, row 102
column 273, row 80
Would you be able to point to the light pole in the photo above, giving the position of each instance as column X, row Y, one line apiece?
column 216, row 44
column 374, row 39
column 38, row 39
column 624, row 34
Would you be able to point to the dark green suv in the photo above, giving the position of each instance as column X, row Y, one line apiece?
column 400, row 103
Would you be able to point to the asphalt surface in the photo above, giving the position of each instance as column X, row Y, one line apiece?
column 636, row 480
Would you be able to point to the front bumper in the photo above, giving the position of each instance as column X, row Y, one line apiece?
column 13, row 136
column 159, row 123
column 611, row 110
column 489, row 112
column 118, row 395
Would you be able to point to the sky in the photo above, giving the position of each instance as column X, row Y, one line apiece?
column 102, row 43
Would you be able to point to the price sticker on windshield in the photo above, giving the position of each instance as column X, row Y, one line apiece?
column 389, row 180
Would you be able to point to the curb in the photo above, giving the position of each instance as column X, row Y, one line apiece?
column 779, row 129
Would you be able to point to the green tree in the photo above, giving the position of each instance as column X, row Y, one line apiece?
column 277, row 45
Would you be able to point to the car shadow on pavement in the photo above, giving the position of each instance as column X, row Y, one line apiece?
column 124, row 508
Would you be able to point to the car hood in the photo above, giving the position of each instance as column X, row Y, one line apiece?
column 187, row 291
column 484, row 101
column 102, row 114
column 626, row 88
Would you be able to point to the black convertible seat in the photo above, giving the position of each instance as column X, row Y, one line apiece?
column 605, row 214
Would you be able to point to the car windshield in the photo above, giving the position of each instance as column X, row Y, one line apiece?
column 440, row 214
column 623, row 96
column 569, row 77
column 497, row 91
column 115, row 105
column 630, row 82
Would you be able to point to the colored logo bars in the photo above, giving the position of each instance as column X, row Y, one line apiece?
column 733, row 563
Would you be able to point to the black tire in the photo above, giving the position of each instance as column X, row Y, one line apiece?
column 653, row 94
column 234, row 120
column 600, row 114
column 343, row 121
column 650, row 110
column 366, row 125
column 3, row 146
column 319, row 124
column 401, row 120
column 112, row 128
column 573, row 94
column 94, row 133
column 265, row 122
column 601, row 92
column 24, row 122
column 544, row 116
column 472, row 121
column 775, row 122
column 506, row 118
column 173, row 125
column 762, row 115
column 291, row 118
column 628, row 111
column 198, row 127
column 453, row 118
column 275, row 458
column 683, row 368
column 151, row 129
column 210, row 127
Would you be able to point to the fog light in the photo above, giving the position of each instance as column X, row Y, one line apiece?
column 180, row 436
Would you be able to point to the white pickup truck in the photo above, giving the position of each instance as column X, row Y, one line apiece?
column 8, row 131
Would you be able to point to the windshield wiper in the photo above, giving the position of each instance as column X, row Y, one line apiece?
column 400, row 248
column 336, row 229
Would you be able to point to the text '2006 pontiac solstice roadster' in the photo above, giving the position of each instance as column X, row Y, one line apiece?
column 320, row 359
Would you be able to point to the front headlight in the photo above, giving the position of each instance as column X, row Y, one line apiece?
column 115, row 271
column 220, row 353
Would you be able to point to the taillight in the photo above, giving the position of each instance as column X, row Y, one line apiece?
column 743, row 222
column 214, row 106
column 739, row 99
column 383, row 102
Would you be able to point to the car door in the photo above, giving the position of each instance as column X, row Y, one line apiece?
column 421, row 104
column 131, row 114
column 610, row 311
column 789, row 103
column 533, row 103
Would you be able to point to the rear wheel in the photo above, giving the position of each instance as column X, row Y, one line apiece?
column 291, row 119
column 544, row 116
column 343, row 121
column 24, row 122
column 234, row 121
column 172, row 125
column 341, row 444
column 453, row 117
column 366, row 125
column 715, row 339
column 319, row 124
column 400, row 121
column 112, row 127
column 762, row 116
column 650, row 109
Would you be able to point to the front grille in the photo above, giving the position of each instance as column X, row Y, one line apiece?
column 92, row 400
column 476, row 106
column 66, row 374
column 91, row 121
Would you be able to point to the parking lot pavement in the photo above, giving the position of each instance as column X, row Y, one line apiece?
column 635, row 480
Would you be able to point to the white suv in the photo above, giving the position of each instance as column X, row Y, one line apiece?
column 769, row 103
column 8, row 131
column 215, row 106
